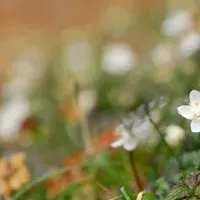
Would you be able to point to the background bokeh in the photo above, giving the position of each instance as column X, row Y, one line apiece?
column 71, row 71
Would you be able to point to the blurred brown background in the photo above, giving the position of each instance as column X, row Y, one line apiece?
column 44, row 23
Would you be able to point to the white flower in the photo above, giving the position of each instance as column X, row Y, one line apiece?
column 190, row 44
column 174, row 135
column 16, row 87
column 118, row 59
column 125, row 139
column 12, row 115
column 192, row 111
column 25, row 72
column 130, row 139
column 177, row 23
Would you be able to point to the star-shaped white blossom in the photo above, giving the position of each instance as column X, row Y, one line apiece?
column 192, row 111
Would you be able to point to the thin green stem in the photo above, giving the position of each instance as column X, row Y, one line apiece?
column 86, row 136
column 115, row 198
column 170, row 149
column 161, row 136
column 41, row 179
column 85, row 133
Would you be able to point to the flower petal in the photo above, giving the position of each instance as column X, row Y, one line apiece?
column 195, row 125
column 117, row 143
column 194, row 97
column 186, row 111
column 130, row 145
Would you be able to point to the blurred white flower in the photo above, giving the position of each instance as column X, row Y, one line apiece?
column 125, row 139
column 177, row 23
column 15, row 87
column 25, row 73
column 189, row 44
column 118, row 59
column 30, row 65
column 131, row 138
column 25, row 70
column 12, row 115
column 87, row 100
column 192, row 111
column 163, row 55
column 174, row 135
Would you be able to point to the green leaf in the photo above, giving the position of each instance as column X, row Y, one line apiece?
column 176, row 193
column 125, row 194
column 116, row 198
column 197, row 191
column 146, row 196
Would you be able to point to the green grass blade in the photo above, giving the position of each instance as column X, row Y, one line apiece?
column 125, row 194
column 45, row 177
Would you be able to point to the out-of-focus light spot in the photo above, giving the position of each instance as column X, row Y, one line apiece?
column 174, row 135
column 163, row 55
column 25, row 72
column 87, row 100
column 22, row 69
column 118, row 59
column 12, row 115
column 177, row 23
column 189, row 44
column 78, row 56
column 15, row 87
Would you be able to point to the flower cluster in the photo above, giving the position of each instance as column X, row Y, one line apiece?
column 13, row 174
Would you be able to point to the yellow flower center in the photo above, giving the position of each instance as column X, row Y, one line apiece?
column 196, row 104
column 195, row 115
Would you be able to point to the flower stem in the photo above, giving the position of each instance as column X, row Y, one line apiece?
column 170, row 149
column 86, row 136
column 37, row 181
column 135, row 172
column 87, row 140
column 161, row 136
